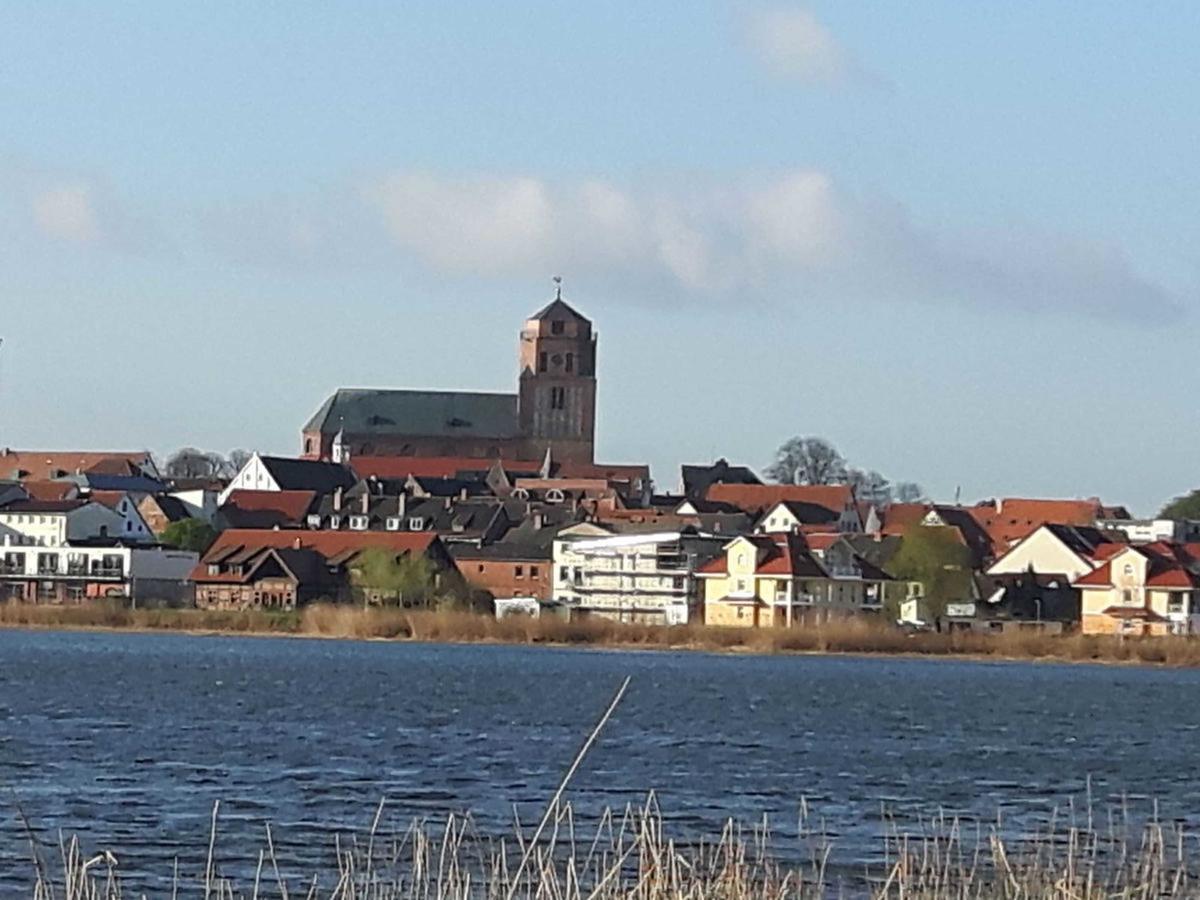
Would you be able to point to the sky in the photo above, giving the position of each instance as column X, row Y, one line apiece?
column 958, row 240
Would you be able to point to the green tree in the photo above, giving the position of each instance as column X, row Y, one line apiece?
column 1185, row 507
column 386, row 577
column 937, row 558
column 189, row 534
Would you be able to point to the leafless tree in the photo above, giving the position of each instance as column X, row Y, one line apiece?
column 808, row 460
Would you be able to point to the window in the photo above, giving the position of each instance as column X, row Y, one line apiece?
column 1175, row 603
column 557, row 327
column 1127, row 597
column 533, row 571
column 308, row 445
column 570, row 362
column 214, row 569
column 335, row 521
column 519, row 571
column 393, row 523
column 558, row 398
column 564, row 574
column 358, row 523
column 481, row 567
column 543, row 361
column 128, row 525
column 1128, row 568
column 677, row 582
column 416, row 523
column 554, row 495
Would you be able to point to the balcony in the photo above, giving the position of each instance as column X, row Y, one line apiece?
column 12, row 568
column 102, row 571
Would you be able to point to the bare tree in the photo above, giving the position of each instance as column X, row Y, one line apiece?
column 236, row 461
column 191, row 462
column 808, row 460
column 870, row 486
column 908, row 492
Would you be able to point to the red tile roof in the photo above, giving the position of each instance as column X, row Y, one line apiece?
column 50, row 490
column 45, row 465
column 1010, row 519
column 1168, row 566
column 756, row 498
column 329, row 544
column 291, row 506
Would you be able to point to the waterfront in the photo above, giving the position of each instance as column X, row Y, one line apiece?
column 130, row 738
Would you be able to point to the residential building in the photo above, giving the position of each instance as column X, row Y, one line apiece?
column 1146, row 589
column 133, row 527
column 84, row 570
column 1149, row 531
column 252, row 569
column 55, row 523
column 1009, row 519
column 279, row 473
column 1065, row 551
column 774, row 580
column 637, row 577
column 554, row 407
column 837, row 500
column 265, row 509
column 160, row 511
column 50, row 465
column 696, row 480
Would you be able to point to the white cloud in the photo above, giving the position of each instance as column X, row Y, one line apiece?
column 791, row 43
column 66, row 212
column 795, row 236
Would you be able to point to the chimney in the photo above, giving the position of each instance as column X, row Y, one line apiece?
column 538, row 520
column 462, row 493
column 366, row 502
column 296, row 545
column 401, row 504
column 999, row 505
column 337, row 498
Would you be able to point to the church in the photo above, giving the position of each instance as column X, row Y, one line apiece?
column 554, row 408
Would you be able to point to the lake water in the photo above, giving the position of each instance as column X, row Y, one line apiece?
column 128, row 739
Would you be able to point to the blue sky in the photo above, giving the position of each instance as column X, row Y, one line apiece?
column 959, row 240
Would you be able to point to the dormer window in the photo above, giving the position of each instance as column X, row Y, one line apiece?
column 314, row 521
column 416, row 523
column 335, row 522
column 554, row 495
column 358, row 523
column 393, row 523
column 214, row 569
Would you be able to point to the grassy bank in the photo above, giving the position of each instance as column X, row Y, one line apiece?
column 839, row 636
column 633, row 854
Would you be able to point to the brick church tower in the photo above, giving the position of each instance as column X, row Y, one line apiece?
column 557, row 398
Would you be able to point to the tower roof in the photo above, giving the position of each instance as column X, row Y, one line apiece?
column 558, row 308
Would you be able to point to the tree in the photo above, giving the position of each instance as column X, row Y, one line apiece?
column 870, row 487
column 1185, row 507
column 189, row 534
column 807, row 460
column 236, row 461
column 908, row 492
column 190, row 462
column 934, row 556
column 385, row 577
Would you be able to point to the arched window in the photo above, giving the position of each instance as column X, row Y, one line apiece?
column 554, row 495
column 308, row 445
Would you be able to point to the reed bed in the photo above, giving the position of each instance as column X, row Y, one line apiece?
column 633, row 854
column 850, row 635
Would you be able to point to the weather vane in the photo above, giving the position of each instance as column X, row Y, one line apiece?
column 557, row 287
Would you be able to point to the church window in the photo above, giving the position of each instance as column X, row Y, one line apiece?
column 570, row 362
column 558, row 398
column 308, row 445
column 556, row 327
column 543, row 361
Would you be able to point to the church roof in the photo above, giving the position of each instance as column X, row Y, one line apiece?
column 418, row 413
column 558, row 308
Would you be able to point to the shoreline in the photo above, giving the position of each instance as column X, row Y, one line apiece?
column 850, row 638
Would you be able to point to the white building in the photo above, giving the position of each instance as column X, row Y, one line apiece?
column 74, row 573
column 54, row 523
column 1148, row 531
column 279, row 473
column 631, row 577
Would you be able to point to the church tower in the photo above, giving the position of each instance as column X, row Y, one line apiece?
column 557, row 400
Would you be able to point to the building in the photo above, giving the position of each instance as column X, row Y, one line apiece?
column 1065, row 551
column 254, row 569
column 1149, row 531
column 553, row 410
column 55, row 523
column 160, row 511
column 84, row 570
column 648, row 577
column 773, row 580
column 50, row 465
column 1147, row 589
column 1009, row 519
column 281, row 473
column 837, row 501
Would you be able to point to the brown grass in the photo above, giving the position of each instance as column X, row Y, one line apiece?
column 858, row 636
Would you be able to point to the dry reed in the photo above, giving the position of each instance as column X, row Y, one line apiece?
column 632, row 854
column 848, row 635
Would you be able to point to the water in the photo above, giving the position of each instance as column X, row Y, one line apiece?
column 128, row 739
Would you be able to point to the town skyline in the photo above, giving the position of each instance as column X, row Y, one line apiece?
column 820, row 220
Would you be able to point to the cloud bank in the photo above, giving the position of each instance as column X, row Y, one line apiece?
column 795, row 236
column 790, row 43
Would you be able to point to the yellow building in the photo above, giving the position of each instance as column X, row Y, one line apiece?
column 1145, row 589
column 763, row 581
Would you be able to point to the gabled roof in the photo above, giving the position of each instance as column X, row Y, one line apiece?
column 363, row 411
column 307, row 474
column 50, row 490
column 326, row 543
column 172, row 508
column 1009, row 519
column 698, row 479
column 1167, row 566
column 806, row 512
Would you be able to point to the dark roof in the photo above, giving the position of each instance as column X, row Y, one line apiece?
column 307, row 474
column 879, row 552
column 43, row 506
column 698, row 479
column 1084, row 539
column 423, row 413
column 172, row 507
column 559, row 308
